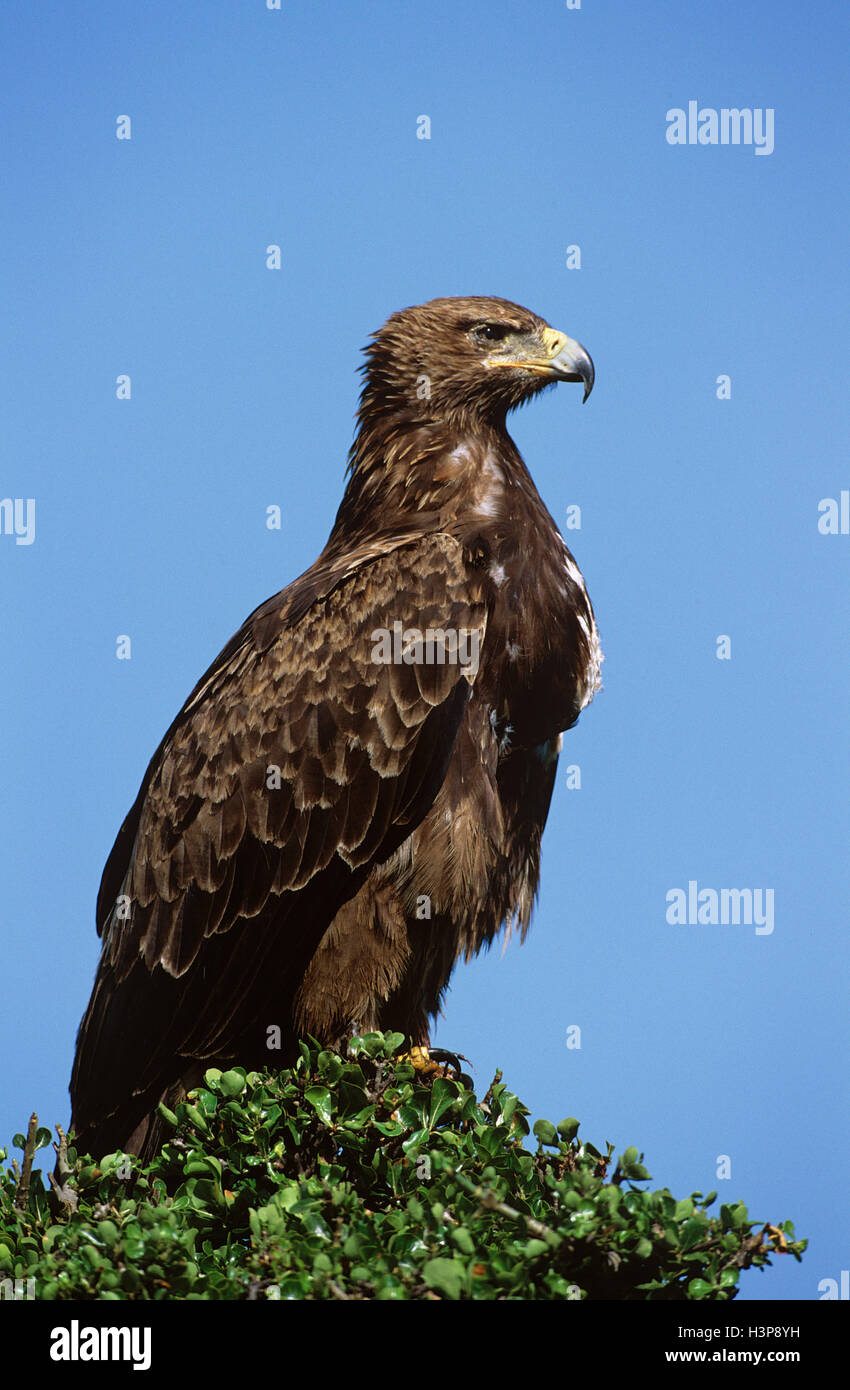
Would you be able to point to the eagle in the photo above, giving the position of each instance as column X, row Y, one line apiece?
column 354, row 793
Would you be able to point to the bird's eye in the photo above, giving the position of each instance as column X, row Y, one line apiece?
column 492, row 332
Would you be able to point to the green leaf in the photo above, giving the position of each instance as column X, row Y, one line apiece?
column 415, row 1210
column 330, row 1067
column 693, row 1232
column 446, row 1276
column 232, row 1083
column 419, row 1139
column 463, row 1240
column 390, row 1128
column 545, row 1132
column 322, row 1102
column 443, row 1096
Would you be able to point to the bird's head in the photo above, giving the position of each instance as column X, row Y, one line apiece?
column 465, row 361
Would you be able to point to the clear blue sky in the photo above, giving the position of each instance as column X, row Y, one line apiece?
column 699, row 515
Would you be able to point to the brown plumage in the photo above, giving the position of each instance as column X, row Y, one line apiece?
column 330, row 823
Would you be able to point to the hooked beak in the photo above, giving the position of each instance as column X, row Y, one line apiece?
column 568, row 360
column 562, row 359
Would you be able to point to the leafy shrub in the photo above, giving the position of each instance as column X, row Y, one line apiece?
column 348, row 1177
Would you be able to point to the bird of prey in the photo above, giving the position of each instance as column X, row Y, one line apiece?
column 353, row 795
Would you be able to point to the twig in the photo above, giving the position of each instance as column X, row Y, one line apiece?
column 490, row 1202
column 23, row 1191
column 66, row 1194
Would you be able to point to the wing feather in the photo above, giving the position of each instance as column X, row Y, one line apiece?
column 297, row 763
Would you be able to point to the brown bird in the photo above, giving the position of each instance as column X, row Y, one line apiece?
column 353, row 795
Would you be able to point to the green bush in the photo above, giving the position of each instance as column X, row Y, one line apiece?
column 348, row 1177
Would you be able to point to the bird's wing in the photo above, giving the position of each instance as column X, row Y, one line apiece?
column 298, row 762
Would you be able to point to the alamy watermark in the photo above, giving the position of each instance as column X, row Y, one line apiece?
column 76, row 1343
column 710, row 907
column 436, row 646
column 730, row 125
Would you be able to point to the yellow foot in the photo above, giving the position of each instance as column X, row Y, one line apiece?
column 440, row 1064
column 423, row 1064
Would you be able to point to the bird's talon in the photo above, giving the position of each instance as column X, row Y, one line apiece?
column 434, row 1062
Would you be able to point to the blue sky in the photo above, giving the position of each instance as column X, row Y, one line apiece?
column 699, row 515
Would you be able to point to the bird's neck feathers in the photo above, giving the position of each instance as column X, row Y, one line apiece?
column 420, row 474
